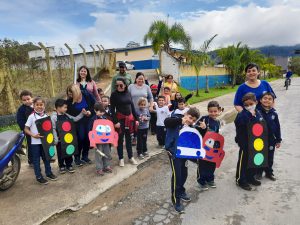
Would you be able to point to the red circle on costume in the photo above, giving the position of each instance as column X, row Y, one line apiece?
column 47, row 125
column 66, row 126
column 257, row 129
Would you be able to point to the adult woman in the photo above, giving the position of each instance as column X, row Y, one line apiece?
column 253, row 84
column 140, row 89
column 85, row 82
column 124, row 117
column 78, row 100
column 169, row 82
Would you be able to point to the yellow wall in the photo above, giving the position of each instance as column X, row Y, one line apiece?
column 135, row 55
column 186, row 70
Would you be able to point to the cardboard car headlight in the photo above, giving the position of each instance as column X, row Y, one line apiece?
column 189, row 144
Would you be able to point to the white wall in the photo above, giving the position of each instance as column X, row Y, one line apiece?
column 169, row 65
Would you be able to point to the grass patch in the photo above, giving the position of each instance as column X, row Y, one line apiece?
column 213, row 92
column 11, row 127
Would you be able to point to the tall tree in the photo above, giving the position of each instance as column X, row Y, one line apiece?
column 162, row 36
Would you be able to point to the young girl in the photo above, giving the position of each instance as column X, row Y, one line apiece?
column 205, row 172
column 144, row 117
column 36, row 144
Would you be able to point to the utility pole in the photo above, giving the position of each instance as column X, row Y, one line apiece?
column 47, row 56
column 84, row 54
column 94, row 52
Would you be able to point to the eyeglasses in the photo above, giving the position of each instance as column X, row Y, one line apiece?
column 119, row 85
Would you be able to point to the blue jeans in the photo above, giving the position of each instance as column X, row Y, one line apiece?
column 37, row 153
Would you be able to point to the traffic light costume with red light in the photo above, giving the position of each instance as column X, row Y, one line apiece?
column 251, row 137
column 44, row 127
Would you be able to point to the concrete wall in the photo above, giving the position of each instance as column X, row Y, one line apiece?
column 135, row 55
column 170, row 65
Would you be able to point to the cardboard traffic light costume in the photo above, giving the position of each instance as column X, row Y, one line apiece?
column 67, row 136
column 44, row 127
column 213, row 144
column 103, row 132
column 257, row 144
column 189, row 144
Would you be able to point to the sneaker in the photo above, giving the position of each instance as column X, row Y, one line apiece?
column 179, row 208
column 258, row 176
column 52, row 160
column 185, row 197
column 271, row 177
column 133, row 161
column 203, row 187
column 70, row 169
column 62, row 170
column 245, row 186
column 78, row 163
column 141, row 156
column 255, row 182
column 146, row 154
column 108, row 169
column 87, row 161
column 212, row 184
column 121, row 163
column 51, row 176
column 100, row 172
column 42, row 180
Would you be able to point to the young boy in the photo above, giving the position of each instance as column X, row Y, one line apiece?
column 178, row 165
column 65, row 164
column 167, row 95
column 106, row 104
column 205, row 172
column 144, row 116
column 182, row 109
column 36, row 143
column 245, row 176
column 22, row 115
column 274, row 134
column 162, row 112
column 102, row 153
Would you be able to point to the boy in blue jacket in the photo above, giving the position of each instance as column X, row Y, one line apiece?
column 245, row 176
column 274, row 134
column 178, row 165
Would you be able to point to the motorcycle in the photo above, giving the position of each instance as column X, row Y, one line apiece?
column 10, row 163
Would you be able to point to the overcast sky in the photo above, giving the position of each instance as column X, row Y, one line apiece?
column 113, row 23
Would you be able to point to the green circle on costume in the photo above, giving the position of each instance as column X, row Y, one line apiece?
column 70, row 149
column 258, row 159
column 51, row 151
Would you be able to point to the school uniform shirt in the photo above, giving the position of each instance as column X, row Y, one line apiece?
column 211, row 124
column 258, row 91
column 32, row 126
column 162, row 113
column 180, row 112
column 23, row 113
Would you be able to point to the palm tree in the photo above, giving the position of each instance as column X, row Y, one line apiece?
column 161, row 37
column 199, row 58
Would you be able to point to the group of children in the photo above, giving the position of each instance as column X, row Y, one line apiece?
column 165, row 120
column 33, row 109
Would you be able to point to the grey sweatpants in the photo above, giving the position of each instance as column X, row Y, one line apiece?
column 102, row 162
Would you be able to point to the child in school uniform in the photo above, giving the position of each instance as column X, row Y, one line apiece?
column 105, row 100
column 103, row 151
column 245, row 176
column 205, row 172
column 36, row 144
column 274, row 134
column 144, row 116
column 61, row 107
column 22, row 115
column 162, row 112
column 181, row 107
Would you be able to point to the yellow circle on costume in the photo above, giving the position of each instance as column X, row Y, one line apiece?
column 50, row 138
column 68, row 138
column 258, row 144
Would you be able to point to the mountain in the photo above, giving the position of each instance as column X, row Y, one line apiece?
column 283, row 51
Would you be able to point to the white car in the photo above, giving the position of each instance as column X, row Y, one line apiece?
column 129, row 65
